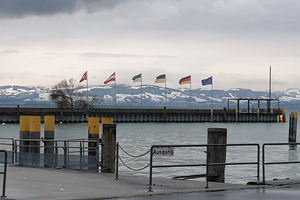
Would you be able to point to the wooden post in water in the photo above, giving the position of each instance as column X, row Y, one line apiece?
column 93, row 134
column 49, row 124
column 216, row 154
column 24, row 134
column 293, row 127
column 108, row 148
column 106, row 120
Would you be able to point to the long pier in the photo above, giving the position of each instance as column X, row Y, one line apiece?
column 133, row 115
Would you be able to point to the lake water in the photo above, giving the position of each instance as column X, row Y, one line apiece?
column 137, row 138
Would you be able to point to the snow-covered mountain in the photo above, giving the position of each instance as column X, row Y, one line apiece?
column 153, row 96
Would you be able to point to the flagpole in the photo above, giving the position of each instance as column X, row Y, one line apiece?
column 115, row 90
column 87, row 90
column 166, row 90
column 191, row 93
column 212, row 94
column 141, row 91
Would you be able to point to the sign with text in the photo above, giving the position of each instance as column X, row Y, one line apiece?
column 163, row 151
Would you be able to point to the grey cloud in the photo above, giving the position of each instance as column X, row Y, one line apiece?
column 112, row 55
column 8, row 52
column 24, row 8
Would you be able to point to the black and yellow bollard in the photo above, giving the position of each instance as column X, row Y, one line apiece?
column 108, row 148
column 211, row 114
column 293, row 127
column 49, row 129
column 35, row 136
column 93, row 135
column 216, row 154
column 24, row 135
column 282, row 117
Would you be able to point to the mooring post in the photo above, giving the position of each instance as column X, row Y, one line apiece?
column 35, row 134
column 24, row 134
column 108, row 148
column 49, row 126
column 106, row 120
column 257, row 114
column 282, row 117
column 93, row 135
column 211, row 114
column 216, row 154
column 293, row 127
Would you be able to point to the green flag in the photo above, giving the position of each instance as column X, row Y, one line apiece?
column 137, row 78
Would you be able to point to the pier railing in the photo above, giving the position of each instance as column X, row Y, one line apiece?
column 69, row 154
column 4, row 172
column 168, row 150
column 264, row 163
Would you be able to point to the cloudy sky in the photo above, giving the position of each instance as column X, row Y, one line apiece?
column 45, row 41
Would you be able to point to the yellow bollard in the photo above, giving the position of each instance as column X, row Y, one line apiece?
column 35, row 133
column 24, row 134
column 93, row 134
column 49, row 126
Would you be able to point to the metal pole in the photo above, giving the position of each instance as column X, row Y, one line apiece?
column 263, row 164
column 117, row 162
column 212, row 94
column 80, row 164
column 191, row 93
column 65, row 154
column 141, row 91
column 207, row 158
column 87, row 91
column 4, row 173
column 258, row 159
column 166, row 90
column 150, row 176
column 13, row 151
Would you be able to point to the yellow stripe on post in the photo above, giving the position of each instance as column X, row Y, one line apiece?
column 282, row 110
column 49, row 122
column 294, row 115
column 106, row 120
column 94, row 125
column 24, row 123
column 35, row 124
column 257, row 110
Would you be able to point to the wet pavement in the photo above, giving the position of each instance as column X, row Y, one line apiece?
column 48, row 183
column 290, row 193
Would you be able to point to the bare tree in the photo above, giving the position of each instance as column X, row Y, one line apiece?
column 68, row 94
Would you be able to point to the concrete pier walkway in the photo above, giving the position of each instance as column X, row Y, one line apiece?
column 45, row 183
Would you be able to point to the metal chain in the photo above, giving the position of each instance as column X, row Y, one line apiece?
column 133, row 155
column 132, row 168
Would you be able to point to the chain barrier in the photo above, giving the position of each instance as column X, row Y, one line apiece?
column 133, row 168
column 133, row 155
column 117, row 158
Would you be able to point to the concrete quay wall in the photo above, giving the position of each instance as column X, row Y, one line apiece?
column 123, row 115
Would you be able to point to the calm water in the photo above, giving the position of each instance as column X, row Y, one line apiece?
column 137, row 139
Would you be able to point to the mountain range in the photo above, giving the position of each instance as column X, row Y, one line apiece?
column 153, row 96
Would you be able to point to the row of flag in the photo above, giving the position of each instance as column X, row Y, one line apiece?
column 159, row 79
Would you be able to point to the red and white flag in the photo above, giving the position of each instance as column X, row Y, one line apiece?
column 84, row 77
column 111, row 78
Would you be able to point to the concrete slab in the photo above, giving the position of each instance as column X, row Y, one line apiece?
column 48, row 183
